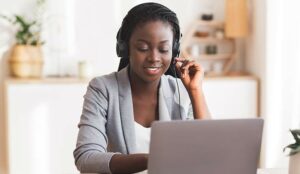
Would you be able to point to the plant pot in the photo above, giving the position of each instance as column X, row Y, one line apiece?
column 26, row 61
column 294, row 164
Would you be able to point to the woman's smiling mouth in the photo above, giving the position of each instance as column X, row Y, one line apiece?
column 152, row 70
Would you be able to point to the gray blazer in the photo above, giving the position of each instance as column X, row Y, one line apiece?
column 106, row 126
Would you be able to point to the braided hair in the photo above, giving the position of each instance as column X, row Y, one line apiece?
column 140, row 14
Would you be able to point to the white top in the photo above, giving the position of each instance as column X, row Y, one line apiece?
column 142, row 135
column 142, row 142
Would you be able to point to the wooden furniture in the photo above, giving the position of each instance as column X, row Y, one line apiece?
column 42, row 117
column 206, row 43
column 232, row 96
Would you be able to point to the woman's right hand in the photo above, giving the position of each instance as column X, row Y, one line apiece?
column 132, row 163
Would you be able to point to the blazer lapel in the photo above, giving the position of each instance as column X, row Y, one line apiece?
column 126, row 110
column 164, row 100
column 169, row 99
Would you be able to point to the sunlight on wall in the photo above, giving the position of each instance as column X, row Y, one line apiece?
column 59, row 34
column 283, row 83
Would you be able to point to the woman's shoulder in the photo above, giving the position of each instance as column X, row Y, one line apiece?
column 104, row 81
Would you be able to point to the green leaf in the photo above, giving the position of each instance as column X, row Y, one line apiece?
column 294, row 151
column 292, row 146
column 6, row 18
column 295, row 134
column 21, row 21
column 32, row 23
column 25, row 33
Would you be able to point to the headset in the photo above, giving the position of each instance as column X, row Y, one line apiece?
column 122, row 47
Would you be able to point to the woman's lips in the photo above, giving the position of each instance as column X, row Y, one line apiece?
column 152, row 70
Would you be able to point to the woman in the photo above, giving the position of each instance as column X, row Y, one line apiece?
column 118, row 110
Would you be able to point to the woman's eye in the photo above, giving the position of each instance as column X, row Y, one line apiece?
column 142, row 49
column 164, row 50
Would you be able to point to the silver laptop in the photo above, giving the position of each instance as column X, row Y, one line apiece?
column 205, row 147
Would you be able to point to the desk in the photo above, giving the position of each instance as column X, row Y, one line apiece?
column 259, row 171
column 272, row 171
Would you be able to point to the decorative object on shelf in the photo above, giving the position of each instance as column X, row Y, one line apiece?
column 219, row 34
column 207, row 17
column 205, row 43
column 236, row 25
column 195, row 50
column 236, row 19
column 294, row 162
column 26, row 60
column 217, row 67
column 211, row 49
column 84, row 69
column 201, row 34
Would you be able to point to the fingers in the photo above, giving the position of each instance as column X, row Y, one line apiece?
column 187, row 67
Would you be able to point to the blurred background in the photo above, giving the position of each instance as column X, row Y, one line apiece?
column 50, row 49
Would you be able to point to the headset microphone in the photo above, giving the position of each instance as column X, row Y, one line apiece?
column 173, row 68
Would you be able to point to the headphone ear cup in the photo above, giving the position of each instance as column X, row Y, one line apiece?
column 118, row 49
column 122, row 49
column 176, row 49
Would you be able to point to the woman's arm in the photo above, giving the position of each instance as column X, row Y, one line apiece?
column 191, row 75
column 133, row 163
column 200, row 108
column 91, row 154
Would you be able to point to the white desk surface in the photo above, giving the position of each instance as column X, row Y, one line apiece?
column 272, row 171
column 260, row 171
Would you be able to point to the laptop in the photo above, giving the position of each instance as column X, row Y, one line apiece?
column 229, row 146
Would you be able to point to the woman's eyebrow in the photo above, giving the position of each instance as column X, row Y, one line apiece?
column 142, row 40
column 164, row 41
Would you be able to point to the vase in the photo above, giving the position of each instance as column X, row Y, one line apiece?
column 294, row 164
column 26, row 61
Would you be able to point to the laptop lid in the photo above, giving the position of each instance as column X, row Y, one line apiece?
column 205, row 146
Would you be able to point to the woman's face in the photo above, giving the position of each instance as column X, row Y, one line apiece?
column 150, row 51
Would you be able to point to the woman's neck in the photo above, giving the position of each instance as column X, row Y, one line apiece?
column 143, row 89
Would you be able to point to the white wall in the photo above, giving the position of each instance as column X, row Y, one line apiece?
column 256, row 53
column 283, row 82
column 273, row 55
column 96, row 28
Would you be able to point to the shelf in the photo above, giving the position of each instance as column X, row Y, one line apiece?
column 47, row 80
column 225, row 46
column 210, row 40
column 212, row 56
column 214, row 24
column 231, row 75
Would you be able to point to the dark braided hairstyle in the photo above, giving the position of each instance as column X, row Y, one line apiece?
column 140, row 14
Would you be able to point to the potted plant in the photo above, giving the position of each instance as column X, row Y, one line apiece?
column 26, row 57
column 294, row 162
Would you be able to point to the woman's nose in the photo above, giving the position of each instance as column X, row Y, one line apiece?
column 154, row 56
